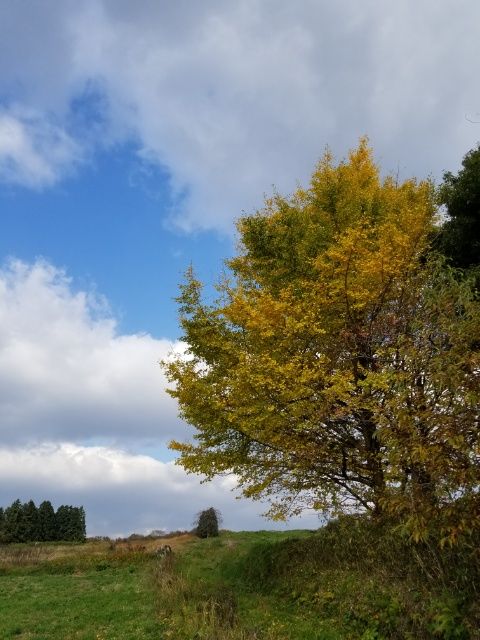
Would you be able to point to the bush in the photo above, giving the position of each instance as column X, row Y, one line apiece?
column 371, row 577
column 207, row 523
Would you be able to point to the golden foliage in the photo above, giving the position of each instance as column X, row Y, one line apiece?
column 302, row 378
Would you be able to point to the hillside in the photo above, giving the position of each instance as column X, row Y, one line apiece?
column 350, row 580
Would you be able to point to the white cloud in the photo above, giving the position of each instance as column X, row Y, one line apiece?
column 65, row 371
column 68, row 381
column 234, row 96
column 123, row 492
column 34, row 152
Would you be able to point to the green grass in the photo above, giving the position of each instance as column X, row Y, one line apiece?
column 196, row 600
column 81, row 597
column 107, row 605
column 204, row 595
column 352, row 580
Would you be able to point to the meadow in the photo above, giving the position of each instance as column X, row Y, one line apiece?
column 82, row 591
column 350, row 580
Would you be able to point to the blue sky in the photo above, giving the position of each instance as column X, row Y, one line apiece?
column 107, row 225
column 132, row 136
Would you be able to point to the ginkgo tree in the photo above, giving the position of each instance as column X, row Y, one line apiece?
column 295, row 378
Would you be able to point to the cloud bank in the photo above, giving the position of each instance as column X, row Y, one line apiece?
column 66, row 373
column 232, row 97
column 123, row 492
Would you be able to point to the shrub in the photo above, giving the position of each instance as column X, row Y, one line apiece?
column 207, row 523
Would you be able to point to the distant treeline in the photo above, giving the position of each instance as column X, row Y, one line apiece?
column 28, row 523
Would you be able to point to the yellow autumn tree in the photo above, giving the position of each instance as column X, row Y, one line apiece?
column 289, row 375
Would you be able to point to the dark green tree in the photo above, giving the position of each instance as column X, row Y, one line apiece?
column 62, row 522
column 77, row 524
column 70, row 523
column 207, row 523
column 31, row 523
column 47, row 526
column 82, row 525
column 14, row 522
column 459, row 238
column 2, row 524
column 25, row 523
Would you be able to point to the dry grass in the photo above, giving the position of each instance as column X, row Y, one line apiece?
column 149, row 545
column 33, row 554
column 21, row 556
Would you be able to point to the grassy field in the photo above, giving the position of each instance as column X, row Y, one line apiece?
column 352, row 580
column 349, row 581
column 92, row 591
column 205, row 594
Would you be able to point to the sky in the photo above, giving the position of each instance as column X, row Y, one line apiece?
column 132, row 137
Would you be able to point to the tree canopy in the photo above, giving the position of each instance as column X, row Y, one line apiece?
column 335, row 369
column 459, row 238
column 27, row 523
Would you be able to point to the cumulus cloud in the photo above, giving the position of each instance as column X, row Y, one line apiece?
column 66, row 372
column 123, row 492
column 234, row 96
column 69, row 380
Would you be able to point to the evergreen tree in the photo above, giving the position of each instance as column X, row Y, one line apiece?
column 459, row 239
column 62, row 522
column 70, row 523
column 47, row 526
column 80, row 530
column 2, row 524
column 14, row 518
column 31, row 523
column 27, row 523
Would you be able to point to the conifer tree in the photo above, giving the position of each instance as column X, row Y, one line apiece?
column 80, row 529
column 459, row 238
column 62, row 523
column 70, row 523
column 2, row 524
column 25, row 523
column 47, row 527
column 31, row 524
column 14, row 522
